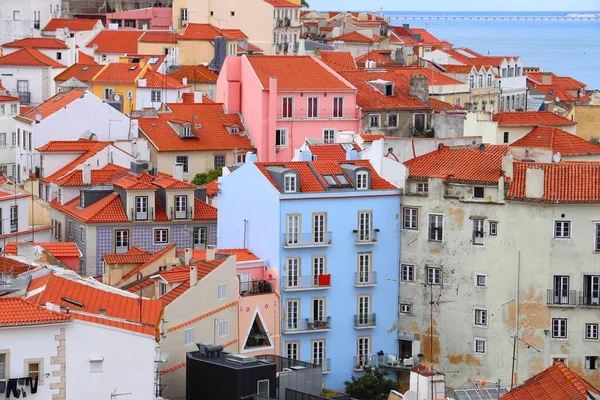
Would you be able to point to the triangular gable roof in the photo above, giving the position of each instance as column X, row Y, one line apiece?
column 29, row 57
column 549, row 137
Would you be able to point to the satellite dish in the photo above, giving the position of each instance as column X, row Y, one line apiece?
column 555, row 110
column 95, row 46
column 117, row 97
column 557, row 99
column 556, row 157
column 410, row 395
column 38, row 117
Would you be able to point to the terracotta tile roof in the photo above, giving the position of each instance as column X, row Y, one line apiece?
column 255, row 49
column 16, row 311
column 564, row 182
column 151, row 258
column 296, row 73
column 435, row 78
column 14, row 267
column 493, row 61
column 457, row 69
column 66, row 146
column 195, row 74
column 84, row 59
column 565, row 143
column 370, row 137
column 370, row 98
column 469, row 51
column 438, row 105
column 82, row 71
column 311, row 174
column 459, row 165
column 9, row 99
column 400, row 31
column 568, row 83
column 356, row 37
column 555, row 91
column 531, row 118
column 54, row 104
column 101, row 176
column 242, row 255
column 134, row 255
column 330, row 151
column 204, row 211
column 338, row 60
column 37, row 43
column 158, row 37
column 118, row 72
column 74, row 24
column 106, row 210
column 100, row 304
column 92, row 149
column 182, row 274
column 427, row 38
column 210, row 32
column 203, row 316
column 57, row 249
column 554, row 383
column 283, row 3
column 379, row 56
column 10, row 195
column 157, row 80
column 209, row 127
column 28, row 57
column 130, row 182
column 168, row 182
column 120, row 41
column 212, row 188
column 155, row 60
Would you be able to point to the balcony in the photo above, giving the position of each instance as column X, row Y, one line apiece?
column 563, row 298
column 364, row 238
column 321, row 115
column 365, row 279
column 311, row 282
column 312, row 239
column 24, row 96
column 187, row 213
column 589, row 299
column 360, row 362
column 146, row 215
column 365, row 321
column 307, row 325
column 326, row 365
column 256, row 287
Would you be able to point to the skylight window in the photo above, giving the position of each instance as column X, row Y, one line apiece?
column 153, row 60
column 85, row 68
column 132, row 68
column 330, row 181
column 342, row 180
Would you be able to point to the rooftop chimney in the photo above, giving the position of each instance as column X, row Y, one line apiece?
column 197, row 97
column 419, row 87
column 187, row 256
column 193, row 275
column 211, row 253
column 184, row 80
column 507, row 166
column 86, row 174
column 178, row 171
column 534, row 183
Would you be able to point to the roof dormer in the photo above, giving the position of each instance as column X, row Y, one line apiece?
column 233, row 129
column 288, row 180
column 184, row 128
column 386, row 88
column 359, row 176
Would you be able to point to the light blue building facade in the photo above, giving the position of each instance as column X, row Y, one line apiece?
column 333, row 230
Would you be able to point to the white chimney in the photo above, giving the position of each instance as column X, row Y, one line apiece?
column 193, row 275
column 184, row 80
column 142, row 82
column 534, row 183
column 507, row 165
column 178, row 171
column 86, row 174
column 211, row 253
column 197, row 97
column 187, row 257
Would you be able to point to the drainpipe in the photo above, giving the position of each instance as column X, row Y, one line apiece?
column 517, row 300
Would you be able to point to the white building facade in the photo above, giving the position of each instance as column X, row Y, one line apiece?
column 25, row 18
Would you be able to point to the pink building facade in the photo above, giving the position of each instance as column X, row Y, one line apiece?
column 155, row 18
column 285, row 100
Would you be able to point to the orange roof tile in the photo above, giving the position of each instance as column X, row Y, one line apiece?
column 555, row 91
column 134, row 255
column 557, row 382
column 283, row 3
column 182, row 274
column 493, row 61
column 73, row 24
column 338, row 60
column 9, row 99
column 549, row 137
column 435, row 78
column 370, row 98
column 204, row 211
column 311, row 174
column 531, row 118
column 564, row 182
column 14, row 267
column 28, row 57
column 296, row 73
column 438, row 105
column 54, row 104
column 195, row 74
column 168, row 182
column 119, row 73
column 99, row 176
column 459, row 165
column 120, row 41
column 370, row 137
column 37, row 43
column 16, row 311
column 457, row 69
column 330, row 151
column 427, row 38
column 255, row 49
column 209, row 127
column 130, row 182
column 212, row 188
column 108, row 306
column 82, row 71
column 92, row 149
column 151, row 258
column 242, row 255
column 379, row 56
column 106, row 210
column 57, row 249
column 356, row 37
column 210, row 32
column 158, row 37
column 85, row 59
column 568, row 83
column 157, row 80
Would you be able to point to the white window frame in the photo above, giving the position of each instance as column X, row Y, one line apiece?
column 260, row 393
column 309, row 109
column 222, row 291
column 164, row 235
column 478, row 237
column 292, row 314
column 284, row 112
column 374, row 120
column 189, row 334
column 362, row 180
column 479, row 187
column 591, row 331
column 407, row 272
column 397, row 120
column 480, row 317
column 223, row 328
column 3, row 139
column 435, row 277
column 184, row 161
column 493, row 228
column 365, row 226
column 329, row 135
column 292, row 350
column 422, row 187
column 219, row 157
column 405, row 308
column 155, row 96
column 340, row 107
column 282, row 133
column 480, row 346
column 565, row 227
column 588, row 363
column 290, row 183
column 318, row 346
column 365, row 268
column 438, row 219
column 412, row 218
column 480, row 277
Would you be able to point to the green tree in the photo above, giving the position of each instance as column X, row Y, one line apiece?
column 205, row 177
column 372, row 385
column 595, row 140
column 305, row 4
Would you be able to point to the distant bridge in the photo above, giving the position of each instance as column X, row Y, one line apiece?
column 498, row 17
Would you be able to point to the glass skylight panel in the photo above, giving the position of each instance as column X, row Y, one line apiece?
column 342, row 180
column 330, row 181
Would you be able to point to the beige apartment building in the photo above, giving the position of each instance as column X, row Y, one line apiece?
column 491, row 249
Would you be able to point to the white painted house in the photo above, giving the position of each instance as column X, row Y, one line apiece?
column 82, row 30
column 24, row 18
column 14, row 219
column 62, row 50
column 9, row 107
column 67, row 116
